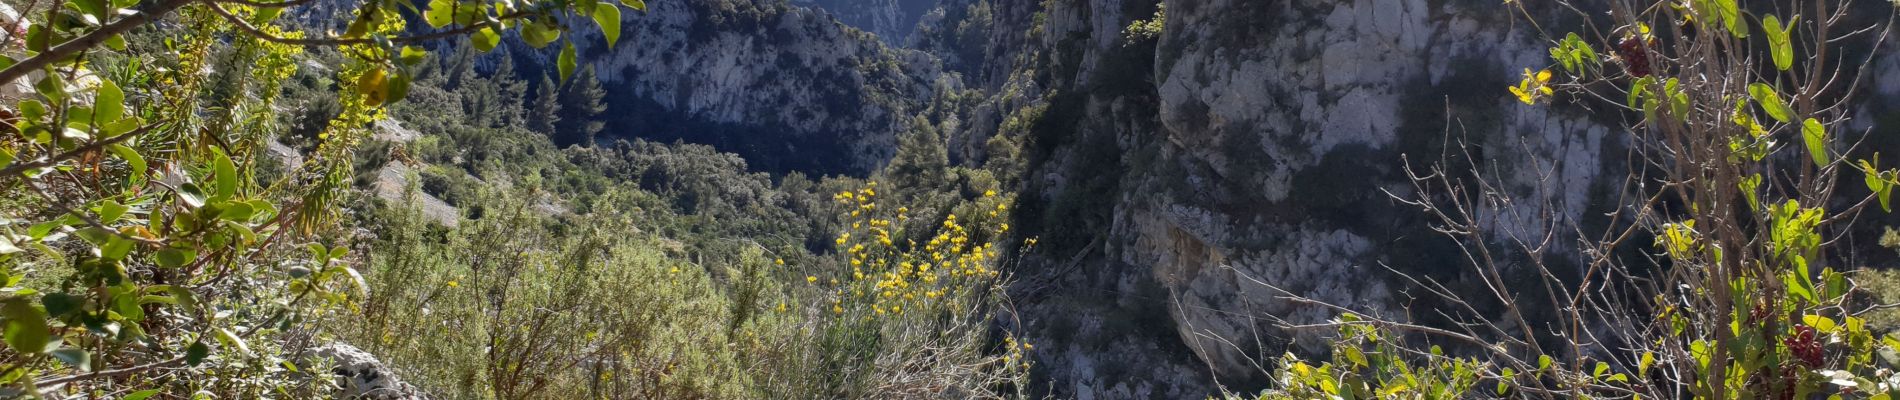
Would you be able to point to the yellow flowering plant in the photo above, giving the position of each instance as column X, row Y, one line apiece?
column 916, row 304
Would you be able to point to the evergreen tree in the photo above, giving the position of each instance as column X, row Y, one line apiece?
column 458, row 66
column 546, row 112
column 922, row 156
column 508, row 110
column 581, row 105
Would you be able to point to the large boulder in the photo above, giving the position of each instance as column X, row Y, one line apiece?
column 360, row 376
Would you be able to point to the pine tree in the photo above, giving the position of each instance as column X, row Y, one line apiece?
column 581, row 105
column 922, row 156
column 456, row 67
column 546, row 112
column 508, row 110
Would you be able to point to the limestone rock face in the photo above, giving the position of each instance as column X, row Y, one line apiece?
column 790, row 88
column 1184, row 183
column 1266, row 107
column 359, row 376
column 891, row 20
column 1246, row 154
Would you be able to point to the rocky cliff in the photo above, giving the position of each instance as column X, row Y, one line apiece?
column 790, row 88
column 1181, row 172
column 891, row 20
column 1182, row 178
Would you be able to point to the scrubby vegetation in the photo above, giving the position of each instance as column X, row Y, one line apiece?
column 199, row 193
column 168, row 233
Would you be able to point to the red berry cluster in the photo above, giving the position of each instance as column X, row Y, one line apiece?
column 1804, row 347
column 1758, row 314
column 1634, row 58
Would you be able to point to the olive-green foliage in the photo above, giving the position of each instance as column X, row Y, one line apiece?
column 601, row 311
column 635, row 269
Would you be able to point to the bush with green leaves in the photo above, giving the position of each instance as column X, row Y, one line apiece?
column 141, row 253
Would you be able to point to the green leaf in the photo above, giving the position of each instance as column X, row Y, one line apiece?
column 227, row 176
column 1750, row 185
column 1816, row 137
column 1543, row 362
column 635, row 4
column 374, row 84
column 1779, row 45
column 37, row 39
column 365, row 18
column 109, row 106
column 157, row 299
column 484, row 39
column 566, row 62
column 196, row 353
column 94, row 235
column 1678, row 99
column 232, row 340
column 440, row 13
column 397, row 87
column 607, row 15
column 132, row 159
column 237, row 211
column 539, row 33
column 52, row 87
column 412, row 55
column 110, row 211
column 1798, row 281
column 26, row 330
column 140, row 395
column 319, row 253
column 116, row 248
column 1642, row 367
column 58, row 304
column 1820, row 323
column 78, row 359
column 262, row 16
column 40, row 230
column 174, row 257
column 121, row 126
column 1876, row 183
column 185, row 297
column 31, row 109
column 1732, row 18
column 93, row 8
column 1770, row 102
column 191, row 195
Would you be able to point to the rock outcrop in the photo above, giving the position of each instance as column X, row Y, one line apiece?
column 1245, row 153
column 1183, row 181
column 891, row 20
column 359, row 376
column 789, row 88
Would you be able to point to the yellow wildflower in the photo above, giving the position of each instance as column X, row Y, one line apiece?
column 1533, row 88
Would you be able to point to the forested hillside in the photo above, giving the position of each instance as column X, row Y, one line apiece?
column 816, row 199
